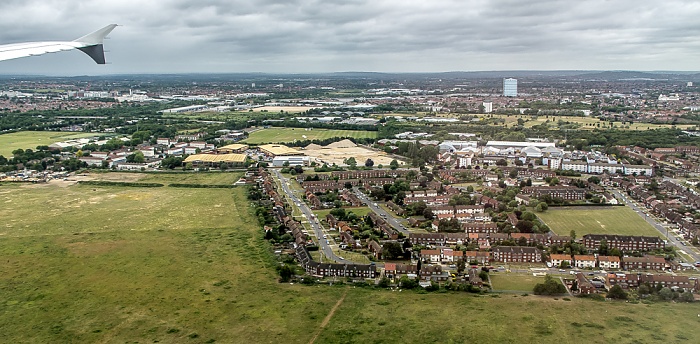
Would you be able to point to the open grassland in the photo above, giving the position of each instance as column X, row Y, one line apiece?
column 32, row 139
column 205, row 178
column 387, row 317
column 514, row 282
column 282, row 135
column 603, row 220
column 587, row 123
column 84, row 264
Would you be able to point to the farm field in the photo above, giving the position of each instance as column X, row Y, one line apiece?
column 513, row 282
column 603, row 220
column 119, row 264
column 282, row 135
column 31, row 139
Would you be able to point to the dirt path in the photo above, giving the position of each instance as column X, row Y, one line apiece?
column 328, row 317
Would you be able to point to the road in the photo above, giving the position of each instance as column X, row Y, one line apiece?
column 324, row 244
column 672, row 239
column 393, row 221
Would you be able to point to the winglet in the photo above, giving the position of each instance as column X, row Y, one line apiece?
column 93, row 43
column 96, row 37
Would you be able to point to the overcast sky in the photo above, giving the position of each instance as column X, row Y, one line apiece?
column 299, row 36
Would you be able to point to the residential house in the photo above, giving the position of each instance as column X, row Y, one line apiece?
column 584, row 261
column 517, row 254
column 644, row 263
column 609, row 262
column 557, row 259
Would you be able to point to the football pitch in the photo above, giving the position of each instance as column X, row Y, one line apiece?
column 596, row 220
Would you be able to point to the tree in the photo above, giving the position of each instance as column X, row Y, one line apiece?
column 369, row 162
column 513, row 173
column 666, row 293
column 383, row 283
column 501, row 162
column 286, row 272
column 572, row 234
column 394, row 164
column 461, row 265
column 137, row 157
column 617, row 293
column 351, row 162
column 408, row 283
column 392, row 250
column 339, row 213
column 549, row 287
column 603, row 249
column 428, row 214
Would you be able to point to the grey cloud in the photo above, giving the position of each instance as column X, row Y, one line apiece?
column 390, row 35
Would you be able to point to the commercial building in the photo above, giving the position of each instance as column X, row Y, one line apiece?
column 510, row 87
column 214, row 160
column 275, row 150
column 280, row 161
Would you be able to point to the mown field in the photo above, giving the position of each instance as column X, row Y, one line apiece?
column 85, row 264
column 31, row 139
column 603, row 220
column 282, row 135
column 514, row 282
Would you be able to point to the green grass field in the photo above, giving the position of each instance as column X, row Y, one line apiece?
column 282, row 135
column 32, row 139
column 207, row 178
column 513, row 282
column 170, row 265
column 587, row 123
column 603, row 220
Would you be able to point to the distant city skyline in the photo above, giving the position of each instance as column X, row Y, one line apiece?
column 306, row 36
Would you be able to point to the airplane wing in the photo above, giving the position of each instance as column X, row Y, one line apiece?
column 90, row 44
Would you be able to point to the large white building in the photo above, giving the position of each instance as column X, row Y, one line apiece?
column 510, row 87
column 279, row 161
column 488, row 106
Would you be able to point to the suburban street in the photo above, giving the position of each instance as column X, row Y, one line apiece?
column 323, row 244
column 671, row 237
column 393, row 221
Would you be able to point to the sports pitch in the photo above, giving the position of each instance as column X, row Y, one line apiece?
column 32, row 139
column 283, row 135
column 598, row 220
